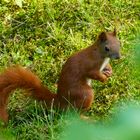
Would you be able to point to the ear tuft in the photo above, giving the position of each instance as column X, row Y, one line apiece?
column 114, row 32
column 102, row 37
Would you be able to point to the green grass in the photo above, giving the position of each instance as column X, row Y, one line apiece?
column 42, row 34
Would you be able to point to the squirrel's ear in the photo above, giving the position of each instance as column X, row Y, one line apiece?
column 114, row 32
column 102, row 37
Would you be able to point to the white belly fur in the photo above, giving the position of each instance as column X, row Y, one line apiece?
column 89, row 82
column 105, row 62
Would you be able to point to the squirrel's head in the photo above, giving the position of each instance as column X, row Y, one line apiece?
column 109, row 45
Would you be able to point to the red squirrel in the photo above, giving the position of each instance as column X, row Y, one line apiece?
column 74, row 88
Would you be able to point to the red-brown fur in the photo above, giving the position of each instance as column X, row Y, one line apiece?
column 73, row 88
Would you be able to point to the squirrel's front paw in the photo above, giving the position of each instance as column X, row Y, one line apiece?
column 107, row 72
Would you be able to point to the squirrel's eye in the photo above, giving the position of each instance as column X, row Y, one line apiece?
column 107, row 49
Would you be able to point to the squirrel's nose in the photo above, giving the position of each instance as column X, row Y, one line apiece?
column 116, row 56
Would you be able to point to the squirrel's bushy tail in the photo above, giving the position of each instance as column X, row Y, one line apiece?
column 18, row 77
